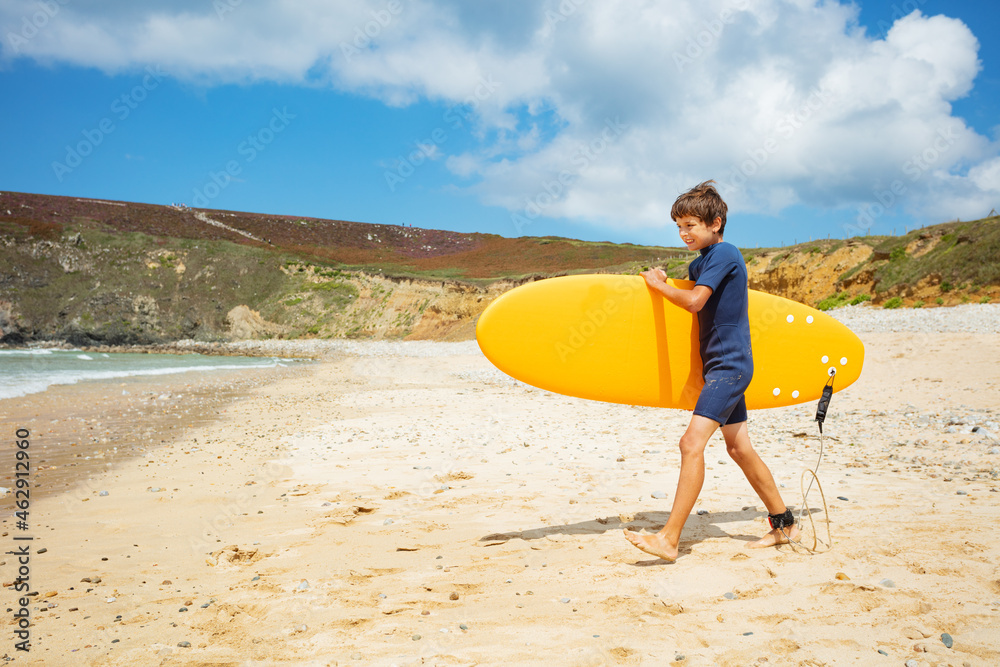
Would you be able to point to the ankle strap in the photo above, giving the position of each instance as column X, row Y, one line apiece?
column 779, row 521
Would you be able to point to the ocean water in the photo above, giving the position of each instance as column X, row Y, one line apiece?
column 35, row 370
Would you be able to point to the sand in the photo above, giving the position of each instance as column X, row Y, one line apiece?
column 83, row 429
column 395, row 508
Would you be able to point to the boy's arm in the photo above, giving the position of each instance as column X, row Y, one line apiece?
column 692, row 300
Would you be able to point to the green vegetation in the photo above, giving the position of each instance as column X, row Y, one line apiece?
column 964, row 253
column 835, row 301
column 218, row 275
column 894, row 302
column 155, row 275
column 336, row 293
column 851, row 272
column 842, row 299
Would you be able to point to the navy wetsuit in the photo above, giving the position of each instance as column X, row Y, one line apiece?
column 727, row 361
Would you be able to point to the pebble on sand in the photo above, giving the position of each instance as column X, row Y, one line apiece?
column 947, row 640
column 888, row 583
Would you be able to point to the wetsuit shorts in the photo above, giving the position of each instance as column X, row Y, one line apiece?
column 726, row 379
column 721, row 398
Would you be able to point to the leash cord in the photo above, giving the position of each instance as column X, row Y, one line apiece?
column 824, row 404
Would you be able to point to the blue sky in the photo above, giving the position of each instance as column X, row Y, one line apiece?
column 575, row 118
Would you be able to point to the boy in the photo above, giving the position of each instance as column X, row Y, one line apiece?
column 720, row 300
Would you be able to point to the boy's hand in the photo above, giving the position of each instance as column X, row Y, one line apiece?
column 654, row 277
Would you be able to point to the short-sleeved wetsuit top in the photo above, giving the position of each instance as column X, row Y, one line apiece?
column 727, row 360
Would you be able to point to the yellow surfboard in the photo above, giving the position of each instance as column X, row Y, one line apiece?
column 611, row 338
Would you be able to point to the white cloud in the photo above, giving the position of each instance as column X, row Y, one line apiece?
column 783, row 101
column 986, row 176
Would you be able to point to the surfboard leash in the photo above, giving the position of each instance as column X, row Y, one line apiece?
column 821, row 409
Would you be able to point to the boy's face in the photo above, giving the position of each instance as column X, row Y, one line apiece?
column 696, row 234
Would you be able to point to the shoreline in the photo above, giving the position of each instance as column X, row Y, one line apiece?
column 406, row 502
column 215, row 348
column 82, row 430
column 861, row 318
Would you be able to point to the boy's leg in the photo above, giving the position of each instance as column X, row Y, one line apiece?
column 692, row 476
column 757, row 473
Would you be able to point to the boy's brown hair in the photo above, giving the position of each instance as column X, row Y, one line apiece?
column 702, row 201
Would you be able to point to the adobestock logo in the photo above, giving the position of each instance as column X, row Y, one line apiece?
column 34, row 24
column 363, row 35
column 553, row 190
column 711, row 31
column 122, row 107
column 565, row 10
column 223, row 7
column 786, row 128
column 593, row 321
column 914, row 168
column 427, row 149
column 898, row 12
column 249, row 148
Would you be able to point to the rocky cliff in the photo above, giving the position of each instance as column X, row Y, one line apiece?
column 67, row 273
column 88, row 293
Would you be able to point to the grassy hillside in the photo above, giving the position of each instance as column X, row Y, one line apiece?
column 962, row 255
column 944, row 264
column 91, row 271
column 355, row 246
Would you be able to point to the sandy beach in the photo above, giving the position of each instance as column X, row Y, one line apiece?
column 406, row 504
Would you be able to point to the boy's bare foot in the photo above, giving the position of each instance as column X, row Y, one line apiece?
column 654, row 545
column 776, row 537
